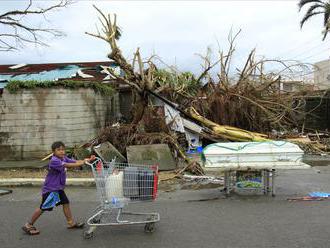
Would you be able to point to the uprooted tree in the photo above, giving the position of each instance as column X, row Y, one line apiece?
column 140, row 75
column 144, row 77
column 138, row 78
column 251, row 100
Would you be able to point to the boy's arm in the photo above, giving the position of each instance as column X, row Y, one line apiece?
column 59, row 165
column 72, row 163
column 75, row 164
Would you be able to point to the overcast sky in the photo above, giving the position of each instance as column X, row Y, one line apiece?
column 177, row 30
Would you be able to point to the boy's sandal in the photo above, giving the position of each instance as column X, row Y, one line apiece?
column 30, row 230
column 76, row 225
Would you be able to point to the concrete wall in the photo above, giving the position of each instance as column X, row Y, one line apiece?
column 31, row 120
column 322, row 75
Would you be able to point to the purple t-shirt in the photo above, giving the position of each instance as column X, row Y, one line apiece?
column 56, row 177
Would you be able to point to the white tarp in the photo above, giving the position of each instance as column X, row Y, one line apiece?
column 172, row 116
column 179, row 124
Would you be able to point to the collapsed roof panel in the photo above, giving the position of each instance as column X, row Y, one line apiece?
column 52, row 72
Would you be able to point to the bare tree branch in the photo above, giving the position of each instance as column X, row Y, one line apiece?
column 17, row 32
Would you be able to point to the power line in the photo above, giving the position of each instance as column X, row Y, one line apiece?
column 298, row 47
column 328, row 49
column 307, row 51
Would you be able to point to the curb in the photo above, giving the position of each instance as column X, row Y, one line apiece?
column 11, row 182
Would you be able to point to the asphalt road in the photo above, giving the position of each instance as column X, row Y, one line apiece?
column 238, row 221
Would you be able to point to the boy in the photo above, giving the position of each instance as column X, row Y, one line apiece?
column 53, row 189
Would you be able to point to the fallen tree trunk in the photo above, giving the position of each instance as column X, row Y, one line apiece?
column 226, row 132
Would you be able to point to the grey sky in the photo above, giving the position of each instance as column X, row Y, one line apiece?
column 177, row 30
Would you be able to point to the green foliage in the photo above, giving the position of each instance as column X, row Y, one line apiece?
column 185, row 81
column 14, row 86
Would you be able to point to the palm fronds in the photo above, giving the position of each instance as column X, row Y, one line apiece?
column 302, row 3
column 315, row 10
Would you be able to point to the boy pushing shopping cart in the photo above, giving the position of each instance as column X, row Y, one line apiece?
column 117, row 185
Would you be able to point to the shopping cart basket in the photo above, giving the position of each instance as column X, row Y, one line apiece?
column 119, row 184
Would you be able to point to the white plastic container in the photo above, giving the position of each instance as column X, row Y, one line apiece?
column 114, row 186
column 253, row 155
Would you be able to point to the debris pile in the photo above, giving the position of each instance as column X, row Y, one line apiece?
column 186, row 112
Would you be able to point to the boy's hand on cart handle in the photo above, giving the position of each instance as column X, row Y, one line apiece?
column 88, row 160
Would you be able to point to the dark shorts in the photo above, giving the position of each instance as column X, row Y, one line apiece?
column 63, row 199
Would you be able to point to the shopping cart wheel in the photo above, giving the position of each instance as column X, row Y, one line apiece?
column 88, row 234
column 96, row 220
column 150, row 227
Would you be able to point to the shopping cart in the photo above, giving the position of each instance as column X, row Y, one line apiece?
column 117, row 185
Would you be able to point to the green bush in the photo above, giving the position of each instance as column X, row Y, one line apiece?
column 14, row 86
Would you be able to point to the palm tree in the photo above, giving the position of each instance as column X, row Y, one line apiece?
column 318, row 7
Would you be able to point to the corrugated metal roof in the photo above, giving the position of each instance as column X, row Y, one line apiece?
column 52, row 75
column 57, row 71
column 34, row 68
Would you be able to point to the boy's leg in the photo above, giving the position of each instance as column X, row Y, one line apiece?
column 28, row 227
column 67, row 211
column 68, row 214
column 37, row 213
column 69, row 218
column 66, row 207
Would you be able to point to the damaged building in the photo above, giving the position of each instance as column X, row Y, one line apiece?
column 32, row 118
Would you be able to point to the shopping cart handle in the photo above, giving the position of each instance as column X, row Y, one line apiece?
column 87, row 163
column 94, row 159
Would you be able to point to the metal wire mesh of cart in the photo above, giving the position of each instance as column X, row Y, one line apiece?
column 120, row 183
column 250, row 182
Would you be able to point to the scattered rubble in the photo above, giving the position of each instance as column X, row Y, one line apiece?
column 107, row 152
column 159, row 154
